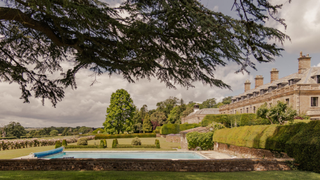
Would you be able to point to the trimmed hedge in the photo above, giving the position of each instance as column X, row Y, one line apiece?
column 176, row 128
column 202, row 140
column 300, row 141
column 112, row 136
column 229, row 120
column 81, row 146
column 13, row 137
column 136, row 146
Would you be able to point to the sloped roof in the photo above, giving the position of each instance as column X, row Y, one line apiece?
column 198, row 129
column 304, row 78
column 206, row 111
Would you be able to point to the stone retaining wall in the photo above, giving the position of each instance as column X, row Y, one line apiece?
column 245, row 152
column 207, row 165
column 175, row 138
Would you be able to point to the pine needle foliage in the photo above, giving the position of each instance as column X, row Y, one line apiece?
column 176, row 41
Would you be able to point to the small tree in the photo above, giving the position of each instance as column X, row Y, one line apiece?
column 278, row 113
column 147, row 126
column 53, row 133
column 119, row 113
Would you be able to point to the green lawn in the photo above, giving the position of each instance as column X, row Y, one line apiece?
column 165, row 146
column 132, row 175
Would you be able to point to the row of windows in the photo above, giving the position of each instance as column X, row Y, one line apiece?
column 314, row 103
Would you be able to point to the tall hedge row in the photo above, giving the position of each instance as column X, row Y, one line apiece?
column 176, row 128
column 300, row 141
column 232, row 120
column 112, row 136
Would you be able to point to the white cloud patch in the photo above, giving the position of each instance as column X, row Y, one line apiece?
column 303, row 25
column 87, row 104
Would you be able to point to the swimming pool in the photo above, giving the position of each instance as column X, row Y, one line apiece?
column 127, row 155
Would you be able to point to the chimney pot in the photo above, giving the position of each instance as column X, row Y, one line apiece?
column 247, row 85
column 258, row 81
column 304, row 63
column 274, row 74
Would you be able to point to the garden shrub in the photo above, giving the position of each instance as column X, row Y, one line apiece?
column 157, row 143
column 105, row 143
column 101, row 145
column 114, row 143
column 112, row 136
column 81, row 146
column 82, row 141
column 136, row 141
column 64, row 143
column 202, row 140
column 58, row 144
column 232, row 120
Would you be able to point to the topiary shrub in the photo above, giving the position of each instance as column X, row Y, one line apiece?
column 64, row 143
column 136, row 141
column 157, row 142
column 82, row 141
column 114, row 143
column 58, row 144
column 105, row 143
column 101, row 144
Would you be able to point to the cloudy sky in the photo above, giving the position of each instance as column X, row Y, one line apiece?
column 87, row 104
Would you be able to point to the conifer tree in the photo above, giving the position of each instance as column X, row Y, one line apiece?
column 147, row 126
column 175, row 41
column 119, row 113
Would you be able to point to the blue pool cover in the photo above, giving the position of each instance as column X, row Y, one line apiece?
column 47, row 153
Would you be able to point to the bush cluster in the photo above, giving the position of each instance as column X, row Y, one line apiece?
column 64, row 143
column 82, row 141
column 300, row 141
column 58, row 144
column 176, row 128
column 202, row 140
column 112, row 136
column 157, row 143
column 233, row 120
column 136, row 141
column 115, row 143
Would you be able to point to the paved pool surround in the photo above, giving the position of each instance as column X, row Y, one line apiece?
column 205, row 165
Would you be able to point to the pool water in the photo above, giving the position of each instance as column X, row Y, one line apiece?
column 127, row 155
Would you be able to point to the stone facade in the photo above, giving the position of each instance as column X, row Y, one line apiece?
column 300, row 90
column 205, row 165
column 197, row 115
column 245, row 152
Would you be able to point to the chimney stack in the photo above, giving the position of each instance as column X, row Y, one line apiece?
column 196, row 108
column 258, row 81
column 247, row 85
column 304, row 63
column 274, row 74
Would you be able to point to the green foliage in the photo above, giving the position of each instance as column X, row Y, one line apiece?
column 167, row 105
column 105, row 143
column 98, row 130
column 176, row 128
column 147, row 126
column 14, row 129
column 202, row 140
column 186, row 112
column 277, row 114
column 159, row 117
column 157, row 143
column 119, row 113
column 115, row 143
column 233, row 120
column 209, row 103
column 136, row 141
column 81, row 146
column 101, row 145
column 109, row 136
column 175, row 114
column 131, row 46
column 136, row 146
column 54, row 133
column 300, row 141
column 57, row 145
column 82, row 141
column 64, row 143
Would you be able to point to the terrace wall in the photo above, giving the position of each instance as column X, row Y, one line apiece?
column 173, row 138
column 207, row 165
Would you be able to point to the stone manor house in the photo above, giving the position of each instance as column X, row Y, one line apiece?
column 300, row 90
